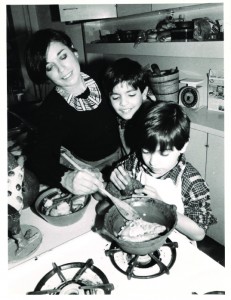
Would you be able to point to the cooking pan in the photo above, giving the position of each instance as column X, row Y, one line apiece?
column 151, row 210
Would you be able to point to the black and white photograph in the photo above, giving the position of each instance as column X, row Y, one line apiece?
column 114, row 152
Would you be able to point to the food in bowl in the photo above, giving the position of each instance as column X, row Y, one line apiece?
column 61, row 204
column 153, row 211
column 139, row 231
column 61, row 209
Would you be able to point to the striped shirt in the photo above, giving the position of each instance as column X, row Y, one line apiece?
column 88, row 100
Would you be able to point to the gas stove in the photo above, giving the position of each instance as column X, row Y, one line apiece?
column 86, row 264
column 75, row 278
column 146, row 266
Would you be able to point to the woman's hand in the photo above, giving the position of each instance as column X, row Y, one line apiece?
column 82, row 182
column 120, row 178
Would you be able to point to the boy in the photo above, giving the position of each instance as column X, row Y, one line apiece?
column 125, row 83
column 159, row 163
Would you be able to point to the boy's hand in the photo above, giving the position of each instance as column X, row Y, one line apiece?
column 165, row 190
column 120, row 178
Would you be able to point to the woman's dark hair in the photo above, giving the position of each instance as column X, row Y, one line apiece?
column 35, row 52
column 162, row 124
column 124, row 69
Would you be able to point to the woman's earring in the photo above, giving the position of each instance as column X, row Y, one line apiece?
column 144, row 94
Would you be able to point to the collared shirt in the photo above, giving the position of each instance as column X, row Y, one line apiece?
column 122, row 125
column 88, row 100
column 195, row 192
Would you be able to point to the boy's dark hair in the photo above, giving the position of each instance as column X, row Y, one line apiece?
column 124, row 69
column 35, row 52
column 163, row 124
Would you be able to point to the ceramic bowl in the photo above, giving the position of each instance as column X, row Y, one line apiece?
column 151, row 210
column 60, row 220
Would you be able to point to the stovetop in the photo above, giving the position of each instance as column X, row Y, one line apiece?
column 76, row 278
column 192, row 272
column 147, row 266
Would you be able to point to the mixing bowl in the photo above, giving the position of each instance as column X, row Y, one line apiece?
column 151, row 210
column 60, row 220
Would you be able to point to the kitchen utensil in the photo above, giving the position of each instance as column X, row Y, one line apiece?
column 151, row 210
column 61, row 220
column 156, row 69
column 124, row 208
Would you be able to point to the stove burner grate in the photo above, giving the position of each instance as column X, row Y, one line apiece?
column 73, row 279
column 144, row 266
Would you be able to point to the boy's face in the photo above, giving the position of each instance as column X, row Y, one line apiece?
column 126, row 100
column 160, row 163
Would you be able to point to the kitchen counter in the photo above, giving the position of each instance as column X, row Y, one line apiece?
column 193, row 270
column 207, row 120
column 53, row 236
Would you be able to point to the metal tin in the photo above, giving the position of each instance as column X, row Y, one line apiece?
column 184, row 34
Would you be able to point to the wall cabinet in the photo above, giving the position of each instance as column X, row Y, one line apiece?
column 215, row 179
column 71, row 13
column 156, row 7
column 132, row 9
column 196, row 151
column 206, row 153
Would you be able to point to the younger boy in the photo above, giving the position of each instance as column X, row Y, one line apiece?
column 159, row 163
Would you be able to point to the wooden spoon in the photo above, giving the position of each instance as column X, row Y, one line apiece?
column 126, row 210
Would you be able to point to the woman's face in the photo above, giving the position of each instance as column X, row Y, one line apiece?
column 62, row 66
column 126, row 100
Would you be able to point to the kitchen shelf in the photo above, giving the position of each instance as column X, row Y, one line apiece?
column 210, row 49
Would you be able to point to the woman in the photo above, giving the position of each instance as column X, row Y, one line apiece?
column 74, row 115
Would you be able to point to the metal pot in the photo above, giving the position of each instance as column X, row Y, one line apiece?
column 183, row 34
column 150, row 210
column 184, row 24
column 128, row 36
